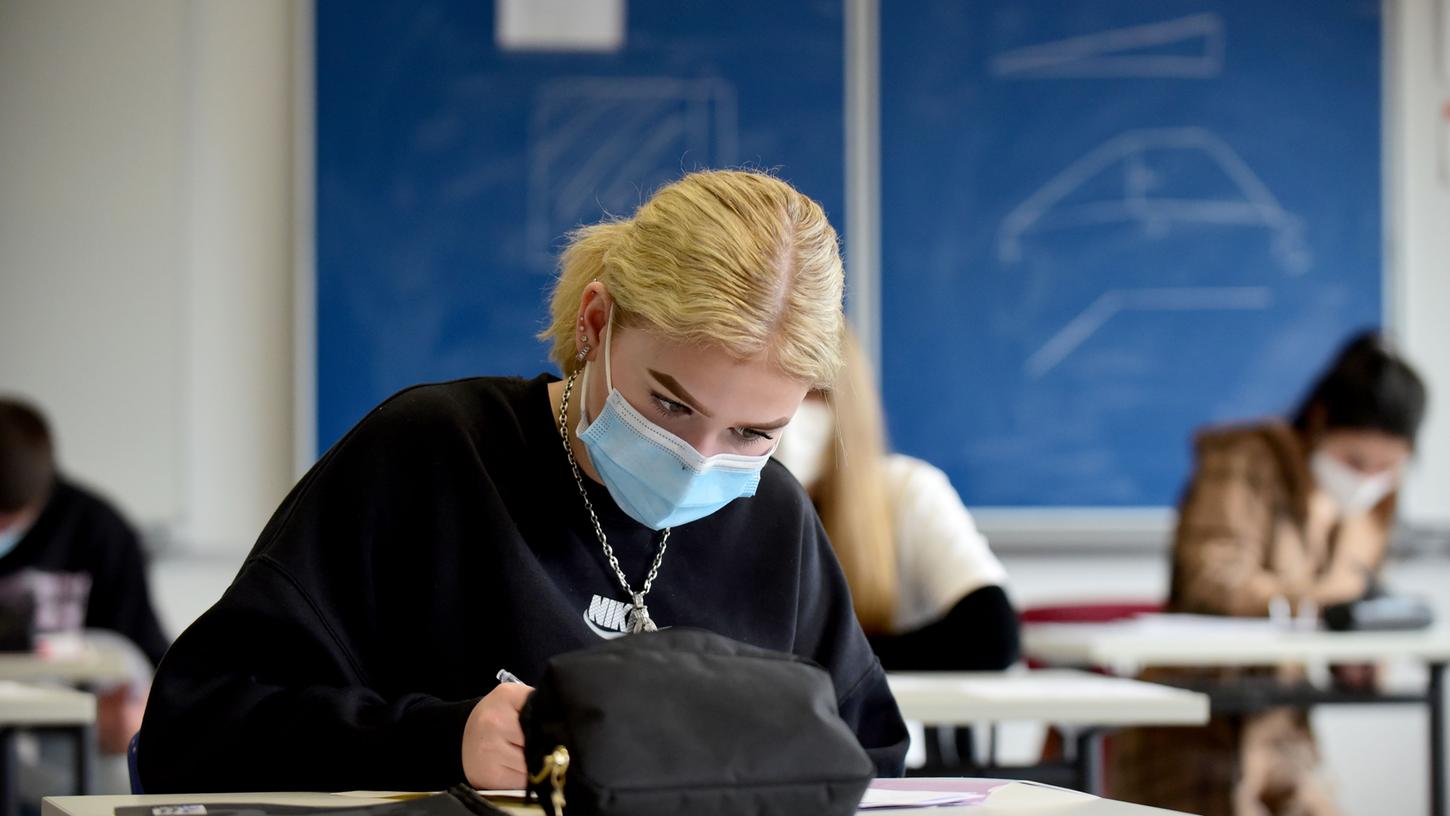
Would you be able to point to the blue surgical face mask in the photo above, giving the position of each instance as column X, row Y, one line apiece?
column 10, row 537
column 657, row 478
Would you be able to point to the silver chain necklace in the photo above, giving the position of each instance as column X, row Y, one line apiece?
column 638, row 619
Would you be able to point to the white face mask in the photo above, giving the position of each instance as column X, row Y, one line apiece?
column 1353, row 491
column 10, row 537
column 805, row 442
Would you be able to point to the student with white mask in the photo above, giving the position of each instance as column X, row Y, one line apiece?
column 493, row 523
column 927, row 588
column 1279, row 514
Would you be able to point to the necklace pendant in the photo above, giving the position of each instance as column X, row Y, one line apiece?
column 639, row 620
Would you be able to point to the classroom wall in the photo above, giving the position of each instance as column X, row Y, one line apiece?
column 238, row 453
column 145, row 239
column 1420, row 241
column 91, row 290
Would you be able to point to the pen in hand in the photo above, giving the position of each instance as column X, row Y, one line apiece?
column 506, row 676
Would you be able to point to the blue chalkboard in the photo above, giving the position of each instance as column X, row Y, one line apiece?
column 1108, row 222
column 1104, row 222
column 448, row 170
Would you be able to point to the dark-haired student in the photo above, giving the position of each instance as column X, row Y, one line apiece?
column 1295, row 513
column 55, row 533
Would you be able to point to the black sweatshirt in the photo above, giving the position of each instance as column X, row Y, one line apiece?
column 79, row 533
column 442, row 540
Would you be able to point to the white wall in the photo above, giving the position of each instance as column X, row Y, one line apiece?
column 238, row 261
column 91, row 286
column 1420, row 233
column 145, row 242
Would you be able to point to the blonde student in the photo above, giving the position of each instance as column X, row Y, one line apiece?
column 927, row 588
column 493, row 523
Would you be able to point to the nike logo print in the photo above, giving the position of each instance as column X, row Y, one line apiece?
column 609, row 618
column 606, row 617
column 604, row 633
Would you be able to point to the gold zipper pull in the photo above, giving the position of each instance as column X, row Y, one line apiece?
column 555, row 767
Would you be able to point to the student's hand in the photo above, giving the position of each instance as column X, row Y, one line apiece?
column 118, row 716
column 1356, row 677
column 493, row 741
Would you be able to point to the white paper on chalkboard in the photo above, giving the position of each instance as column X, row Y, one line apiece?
column 559, row 25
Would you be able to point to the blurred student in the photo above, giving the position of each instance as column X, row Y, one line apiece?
column 1280, row 514
column 927, row 589
column 57, row 539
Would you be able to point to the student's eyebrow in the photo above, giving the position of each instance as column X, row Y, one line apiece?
column 672, row 384
column 772, row 426
column 678, row 391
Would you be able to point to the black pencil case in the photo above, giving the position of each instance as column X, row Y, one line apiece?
column 687, row 721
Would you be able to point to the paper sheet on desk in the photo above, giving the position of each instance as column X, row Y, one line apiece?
column 889, row 799
column 887, row 794
column 1166, row 623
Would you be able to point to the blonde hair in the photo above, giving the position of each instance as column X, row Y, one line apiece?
column 726, row 258
column 851, row 494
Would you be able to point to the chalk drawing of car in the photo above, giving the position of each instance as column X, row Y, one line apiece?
column 1140, row 193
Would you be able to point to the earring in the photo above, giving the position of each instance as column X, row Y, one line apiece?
column 583, row 352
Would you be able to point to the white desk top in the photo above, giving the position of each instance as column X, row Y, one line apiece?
column 22, row 705
column 1192, row 641
column 83, row 665
column 1061, row 696
column 1014, row 798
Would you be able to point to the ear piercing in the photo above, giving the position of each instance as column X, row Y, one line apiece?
column 583, row 343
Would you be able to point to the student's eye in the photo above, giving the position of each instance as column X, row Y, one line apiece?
column 669, row 408
column 747, row 436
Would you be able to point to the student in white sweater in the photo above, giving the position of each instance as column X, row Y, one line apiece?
column 927, row 589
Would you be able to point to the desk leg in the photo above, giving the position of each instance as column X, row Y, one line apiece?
column 85, row 759
column 1089, row 761
column 1436, row 701
column 9, row 774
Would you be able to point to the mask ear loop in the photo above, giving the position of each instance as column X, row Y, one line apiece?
column 584, row 420
column 584, row 398
column 608, row 336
